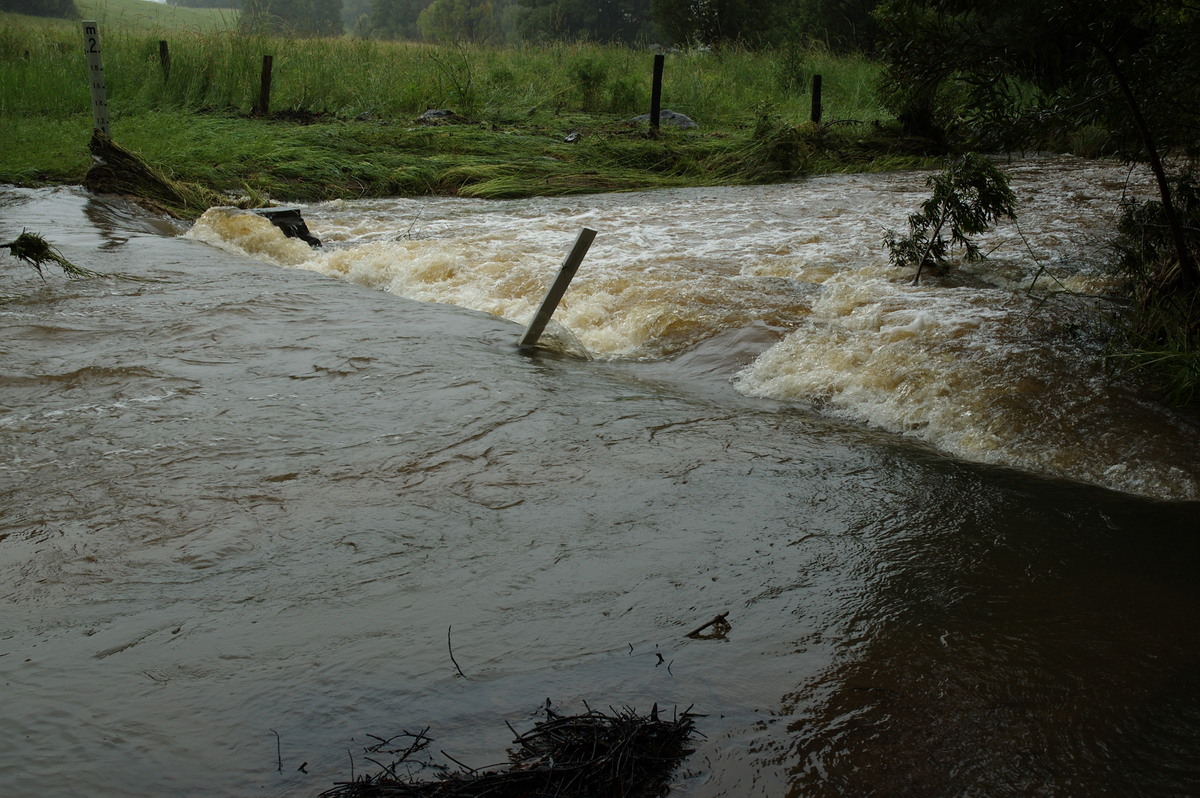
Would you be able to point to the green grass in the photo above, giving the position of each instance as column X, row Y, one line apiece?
column 343, row 111
column 155, row 17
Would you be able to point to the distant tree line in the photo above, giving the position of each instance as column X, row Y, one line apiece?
column 842, row 24
column 41, row 8
column 303, row 17
column 231, row 4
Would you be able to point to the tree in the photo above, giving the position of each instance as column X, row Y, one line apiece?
column 356, row 16
column 967, row 197
column 995, row 71
column 717, row 22
column 397, row 19
column 1017, row 71
column 844, row 25
column 606, row 20
column 458, row 20
column 628, row 21
column 304, row 17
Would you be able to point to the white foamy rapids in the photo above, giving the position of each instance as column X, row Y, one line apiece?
column 956, row 369
column 968, row 364
column 647, row 289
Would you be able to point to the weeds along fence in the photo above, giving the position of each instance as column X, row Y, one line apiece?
column 42, row 73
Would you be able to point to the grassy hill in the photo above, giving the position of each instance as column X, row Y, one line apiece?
column 147, row 16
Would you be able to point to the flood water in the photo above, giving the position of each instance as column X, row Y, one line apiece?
column 255, row 497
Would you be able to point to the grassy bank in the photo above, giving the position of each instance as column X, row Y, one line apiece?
column 548, row 119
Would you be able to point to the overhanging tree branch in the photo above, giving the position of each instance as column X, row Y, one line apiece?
column 1188, row 275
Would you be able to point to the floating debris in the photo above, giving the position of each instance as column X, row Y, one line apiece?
column 592, row 755
column 291, row 223
column 37, row 252
column 719, row 625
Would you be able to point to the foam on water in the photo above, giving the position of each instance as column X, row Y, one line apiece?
column 971, row 362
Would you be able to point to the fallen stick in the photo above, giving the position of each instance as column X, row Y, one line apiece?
column 452, row 659
column 720, row 619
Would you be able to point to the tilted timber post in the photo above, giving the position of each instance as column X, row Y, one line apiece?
column 817, row 107
column 559, row 287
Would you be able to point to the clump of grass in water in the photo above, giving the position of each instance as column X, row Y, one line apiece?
column 38, row 252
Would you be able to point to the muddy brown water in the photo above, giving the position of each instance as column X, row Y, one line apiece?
column 248, row 508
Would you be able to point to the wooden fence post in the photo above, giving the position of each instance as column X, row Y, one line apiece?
column 816, row 100
column 164, row 59
column 264, row 92
column 559, row 287
column 656, row 92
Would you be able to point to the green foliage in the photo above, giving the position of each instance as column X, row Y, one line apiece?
column 714, row 23
column 532, row 21
column 307, row 17
column 777, row 149
column 590, row 75
column 1168, row 362
column 845, row 26
column 627, row 95
column 456, row 73
column 458, row 21
column 396, row 19
column 1110, row 73
column 967, row 197
column 1013, row 73
column 1157, row 331
column 1145, row 253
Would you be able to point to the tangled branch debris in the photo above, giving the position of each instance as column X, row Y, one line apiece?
column 116, row 170
column 37, row 252
column 592, row 755
column 720, row 626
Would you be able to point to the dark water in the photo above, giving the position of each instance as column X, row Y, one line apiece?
column 240, row 500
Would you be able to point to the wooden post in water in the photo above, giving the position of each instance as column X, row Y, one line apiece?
column 559, row 287
column 656, row 92
column 264, row 93
column 816, row 100
column 164, row 59
column 91, row 47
